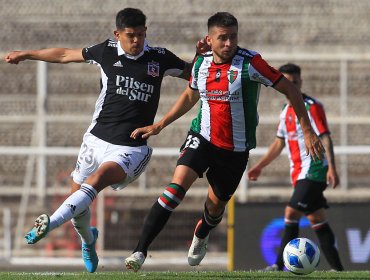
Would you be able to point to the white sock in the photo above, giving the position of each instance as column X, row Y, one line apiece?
column 81, row 224
column 74, row 205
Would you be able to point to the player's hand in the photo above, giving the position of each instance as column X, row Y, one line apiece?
column 145, row 132
column 314, row 147
column 202, row 46
column 332, row 178
column 14, row 57
column 254, row 173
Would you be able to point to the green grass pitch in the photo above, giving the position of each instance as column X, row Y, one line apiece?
column 184, row 275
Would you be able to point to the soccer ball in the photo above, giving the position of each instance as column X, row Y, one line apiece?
column 301, row 256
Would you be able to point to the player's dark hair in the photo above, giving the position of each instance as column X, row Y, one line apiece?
column 130, row 17
column 290, row 69
column 222, row 19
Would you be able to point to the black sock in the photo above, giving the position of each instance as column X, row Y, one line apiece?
column 208, row 223
column 154, row 223
column 291, row 231
column 327, row 244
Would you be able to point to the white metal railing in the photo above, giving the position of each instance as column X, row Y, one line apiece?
column 41, row 119
column 38, row 151
column 7, row 239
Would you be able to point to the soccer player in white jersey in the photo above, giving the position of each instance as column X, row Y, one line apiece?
column 131, row 77
column 309, row 178
column 227, row 81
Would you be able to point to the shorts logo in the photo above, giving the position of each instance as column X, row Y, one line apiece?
column 153, row 69
column 232, row 75
column 125, row 159
column 303, row 205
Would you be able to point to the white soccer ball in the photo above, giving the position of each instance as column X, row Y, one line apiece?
column 301, row 256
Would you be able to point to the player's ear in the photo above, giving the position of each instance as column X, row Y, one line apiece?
column 116, row 34
column 208, row 40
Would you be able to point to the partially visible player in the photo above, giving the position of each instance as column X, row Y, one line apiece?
column 309, row 178
column 227, row 80
column 131, row 78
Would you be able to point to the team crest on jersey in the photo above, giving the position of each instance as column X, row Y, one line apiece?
column 153, row 69
column 231, row 75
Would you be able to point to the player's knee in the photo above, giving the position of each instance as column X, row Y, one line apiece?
column 172, row 196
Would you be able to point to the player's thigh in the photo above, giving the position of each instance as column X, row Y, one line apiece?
column 89, row 158
column 308, row 196
column 184, row 176
column 193, row 159
column 225, row 172
column 130, row 163
column 107, row 174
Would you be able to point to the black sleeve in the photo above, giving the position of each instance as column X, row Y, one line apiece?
column 94, row 53
column 173, row 61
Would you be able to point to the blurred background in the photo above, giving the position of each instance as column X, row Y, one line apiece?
column 46, row 108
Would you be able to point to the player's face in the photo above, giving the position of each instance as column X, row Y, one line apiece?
column 132, row 39
column 223, row 41
column 295, row 79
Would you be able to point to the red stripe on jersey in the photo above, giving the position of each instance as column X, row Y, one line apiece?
column 318, row 115
column 266, row 70
column 291, row 127
column 221, row 128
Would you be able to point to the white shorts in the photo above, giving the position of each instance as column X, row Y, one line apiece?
column 95, row 151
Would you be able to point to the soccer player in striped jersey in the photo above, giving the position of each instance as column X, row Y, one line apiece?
column 309, row 178
column 227, row 80
column 131, row 78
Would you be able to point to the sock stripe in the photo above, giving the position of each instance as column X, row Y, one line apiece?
column 91, row 192
column 171, row 196
column 170, row 203
column 319, row 225
column 213, row 221
column 287, row 221
column 176, row 190
column 164, row 205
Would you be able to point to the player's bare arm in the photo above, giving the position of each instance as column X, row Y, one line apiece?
column 332, row 177
column 273, row 152
column 314, row 147
column 186, row 101
column 53, row 55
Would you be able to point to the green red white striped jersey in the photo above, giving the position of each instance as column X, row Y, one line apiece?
column 301, row 165
column 229, row 96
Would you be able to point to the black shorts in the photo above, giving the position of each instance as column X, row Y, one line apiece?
column 224, row 168
column 308, row 196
